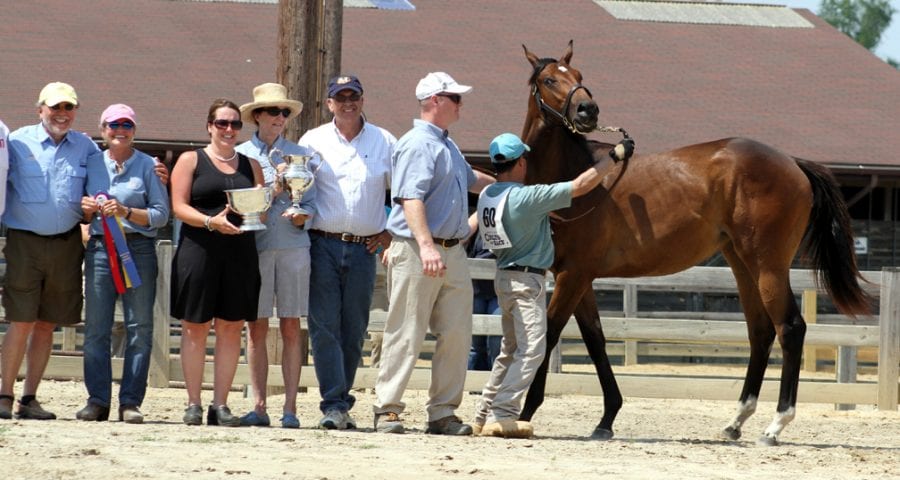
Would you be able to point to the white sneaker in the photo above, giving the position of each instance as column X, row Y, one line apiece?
column 333, row 420
column 349, row 422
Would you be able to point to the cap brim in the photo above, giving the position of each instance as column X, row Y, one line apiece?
column 458, row 89
column 346, row 87
column 56, row 100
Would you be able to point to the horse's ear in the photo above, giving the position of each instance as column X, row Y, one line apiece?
column 531, row 57
column 567, row 57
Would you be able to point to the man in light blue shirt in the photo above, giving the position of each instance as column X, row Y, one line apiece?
column 4, row 163
column 43, row 248
column 428, row 276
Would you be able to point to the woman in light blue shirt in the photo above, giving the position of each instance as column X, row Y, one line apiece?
column 128, row 194
column 283, row 247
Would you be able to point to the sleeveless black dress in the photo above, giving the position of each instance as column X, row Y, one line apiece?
column 215, row 275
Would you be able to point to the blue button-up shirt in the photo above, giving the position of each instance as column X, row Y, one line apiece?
column 280, row 232
column 428, row 166
column 46, row 180
column 136, row 186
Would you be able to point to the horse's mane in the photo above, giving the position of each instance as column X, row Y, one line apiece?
column 540, row 66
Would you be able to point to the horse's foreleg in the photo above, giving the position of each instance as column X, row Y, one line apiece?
column 592, row 332
column 535, row 396
column 562, row 304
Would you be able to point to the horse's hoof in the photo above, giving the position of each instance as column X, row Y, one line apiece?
column 731, row 433
column 602, row 434
column 767, row 441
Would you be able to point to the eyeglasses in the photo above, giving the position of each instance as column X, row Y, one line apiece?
column 122, row 125
column 275, row 111
column 454, row 97
column 224, row 124
column 66, row 106
column 353, row 97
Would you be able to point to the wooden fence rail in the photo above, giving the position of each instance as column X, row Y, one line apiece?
column 631, row 327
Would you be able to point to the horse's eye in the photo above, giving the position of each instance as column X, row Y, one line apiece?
column 549, row 81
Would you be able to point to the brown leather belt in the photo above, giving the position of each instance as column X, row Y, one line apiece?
column 344, row 237
column 446, row 242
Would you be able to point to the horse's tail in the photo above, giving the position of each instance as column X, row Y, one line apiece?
column 828, row 242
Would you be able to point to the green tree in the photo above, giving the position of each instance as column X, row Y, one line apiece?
column 862, row 20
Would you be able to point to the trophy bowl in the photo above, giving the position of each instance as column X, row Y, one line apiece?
column 250, row 203
column 297, row 179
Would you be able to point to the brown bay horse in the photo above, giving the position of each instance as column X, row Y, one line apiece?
column 661, row 213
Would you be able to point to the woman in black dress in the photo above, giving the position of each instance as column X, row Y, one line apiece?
column 215, row 272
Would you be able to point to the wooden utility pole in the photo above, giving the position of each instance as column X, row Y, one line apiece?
column 309, row 54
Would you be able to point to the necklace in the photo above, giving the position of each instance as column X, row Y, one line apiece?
column 223, row 159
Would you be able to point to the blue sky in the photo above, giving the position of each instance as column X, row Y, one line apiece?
column 890, row 39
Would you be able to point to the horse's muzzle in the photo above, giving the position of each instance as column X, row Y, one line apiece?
column 586, row 116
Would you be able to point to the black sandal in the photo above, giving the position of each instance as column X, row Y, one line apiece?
column 6, row 413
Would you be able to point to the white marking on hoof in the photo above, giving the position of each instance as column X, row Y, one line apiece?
column 775, row 428
column 745, row 409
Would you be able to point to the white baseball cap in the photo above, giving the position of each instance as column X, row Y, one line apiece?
column 439, row 82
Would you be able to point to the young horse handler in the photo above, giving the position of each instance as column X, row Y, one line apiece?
column 514, row 224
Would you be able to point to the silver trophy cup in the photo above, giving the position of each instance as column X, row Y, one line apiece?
column 250, row 203
column 297, row 179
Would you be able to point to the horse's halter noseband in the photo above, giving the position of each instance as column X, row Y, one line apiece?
column 561, row 115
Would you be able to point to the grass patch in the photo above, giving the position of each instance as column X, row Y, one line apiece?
column 212, row 439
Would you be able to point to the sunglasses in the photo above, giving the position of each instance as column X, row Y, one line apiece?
column 354, row 97
column 276, row 111
column 454, row 97
column 65, row 106
column 223, row 124
column 118, row 125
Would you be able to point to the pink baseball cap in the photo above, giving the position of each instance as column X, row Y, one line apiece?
column 117, row 111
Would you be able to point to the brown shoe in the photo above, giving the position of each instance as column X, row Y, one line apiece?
column 34, row 411
column 388, row 423
column 93, row 413
column 451, row 425
column 6, row 403
column 130, row 414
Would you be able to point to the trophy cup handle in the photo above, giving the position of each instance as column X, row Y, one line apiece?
column 271, row 156
column 270, row 193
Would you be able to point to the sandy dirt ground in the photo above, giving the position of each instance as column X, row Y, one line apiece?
column 669, row 439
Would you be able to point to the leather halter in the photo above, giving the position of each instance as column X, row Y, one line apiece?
column 544, row 108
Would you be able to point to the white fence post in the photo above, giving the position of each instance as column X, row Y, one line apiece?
column 808, row 310
column 889, row 339
column 630, row 308
column 845, row 366
column 158, row 376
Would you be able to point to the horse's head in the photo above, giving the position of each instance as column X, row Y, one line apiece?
column 557, row 91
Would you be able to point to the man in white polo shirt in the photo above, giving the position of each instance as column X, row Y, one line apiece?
column 352, row 179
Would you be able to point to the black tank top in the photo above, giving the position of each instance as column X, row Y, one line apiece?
column 209, row 185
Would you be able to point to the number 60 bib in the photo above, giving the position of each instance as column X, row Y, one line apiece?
column 490, row 226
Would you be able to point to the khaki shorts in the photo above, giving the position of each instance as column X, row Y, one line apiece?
column 43, row 277
column 285, row 282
